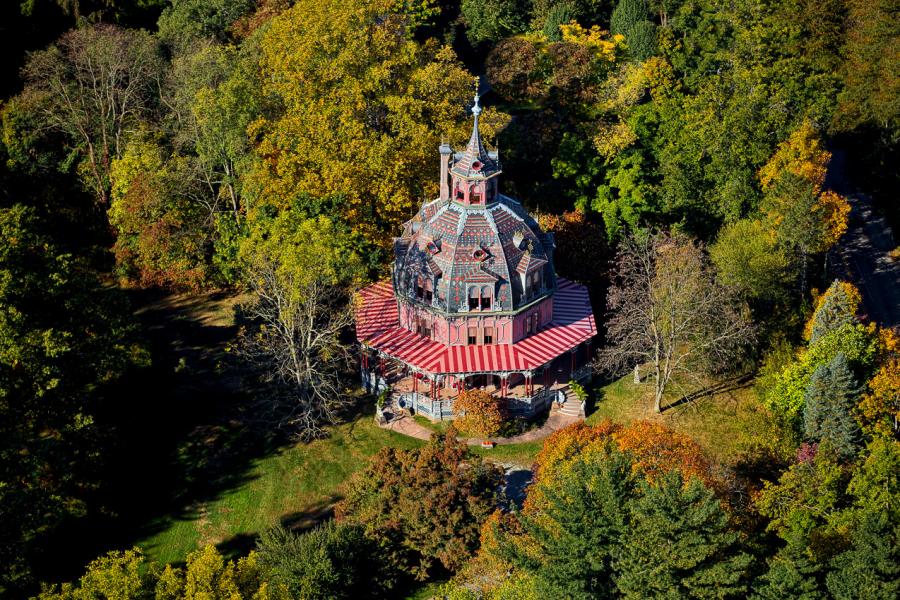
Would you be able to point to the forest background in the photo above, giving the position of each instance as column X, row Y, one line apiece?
column 273, row 148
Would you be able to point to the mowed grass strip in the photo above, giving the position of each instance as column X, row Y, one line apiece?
column 297, row 486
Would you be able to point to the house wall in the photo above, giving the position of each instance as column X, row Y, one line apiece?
column 453, row 331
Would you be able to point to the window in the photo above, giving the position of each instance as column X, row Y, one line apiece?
column 473, row 298
column 420, row 288
column 473, row 336
column 531, row 323
column 429, row 291
column 488, row 335
column 485, row 298
column 423, row 327
column 476, row 198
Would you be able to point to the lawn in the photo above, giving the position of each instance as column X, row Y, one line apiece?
column 297, row 485
column 724, row 423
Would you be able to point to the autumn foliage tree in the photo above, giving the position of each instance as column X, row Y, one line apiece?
column 478, row 413
column 363, row 110
column 301, row 273
column 603, row 500
column 423, row 507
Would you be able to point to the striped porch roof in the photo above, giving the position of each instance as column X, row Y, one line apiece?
column 378, row 326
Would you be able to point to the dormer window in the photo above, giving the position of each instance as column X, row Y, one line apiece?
column 433, row 247
column 480, row 297
column 479, row 254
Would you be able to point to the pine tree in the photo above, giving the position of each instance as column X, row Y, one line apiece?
column 575, row 535
column 631, row 18
column 679, row 544
column 828, row 413
column 871, row 568
column 838, row 308
column 626, row 14
column 791, row 574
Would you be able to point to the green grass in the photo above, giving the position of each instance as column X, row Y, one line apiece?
column 518, row 454
column 724, row 424
column 299, row 484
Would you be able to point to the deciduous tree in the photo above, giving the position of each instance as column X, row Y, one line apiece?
column 301, row 273
column 423, row 506
column 478, row 413
column 668, row 311
column 363, row 109
column 97, row 84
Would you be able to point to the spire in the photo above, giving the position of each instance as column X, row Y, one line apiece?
column 476, row 161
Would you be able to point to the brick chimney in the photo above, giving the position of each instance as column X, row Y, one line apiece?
column 445, row 151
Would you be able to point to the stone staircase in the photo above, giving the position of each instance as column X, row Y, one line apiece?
column 571, row 407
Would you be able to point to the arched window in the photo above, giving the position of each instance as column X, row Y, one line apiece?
column 420, row 287
column 474, row 195
column 429, row 291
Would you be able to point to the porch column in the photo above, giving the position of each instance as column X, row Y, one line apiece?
column 415, row 377
column 432, row 387
column 381, row 365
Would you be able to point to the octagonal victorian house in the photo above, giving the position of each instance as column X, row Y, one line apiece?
column 474, row 301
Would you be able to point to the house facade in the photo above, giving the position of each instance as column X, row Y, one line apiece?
column 474, row 301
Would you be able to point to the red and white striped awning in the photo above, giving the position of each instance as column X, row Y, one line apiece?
column 378, row 326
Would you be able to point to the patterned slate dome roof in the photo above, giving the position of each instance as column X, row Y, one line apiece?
column 459, row 248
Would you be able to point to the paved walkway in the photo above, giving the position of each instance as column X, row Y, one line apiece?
column 408, row 426
column 862, row 254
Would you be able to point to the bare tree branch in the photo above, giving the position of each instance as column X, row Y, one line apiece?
column 667, row 310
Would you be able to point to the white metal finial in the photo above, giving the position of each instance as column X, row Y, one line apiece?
column 476, row 110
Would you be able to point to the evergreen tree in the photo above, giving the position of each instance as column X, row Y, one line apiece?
column 679, row 544
column 791, row 574
column 626, row 14
column 828, row 413
column 559, row 14
column 331, row 561
column 871, row 568
column 579, row 528
column 838, row 308
column 631, row 18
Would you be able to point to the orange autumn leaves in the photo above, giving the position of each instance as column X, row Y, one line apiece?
column 479, row 413
column 654, row 448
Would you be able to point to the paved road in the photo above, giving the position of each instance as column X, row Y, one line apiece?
column 861, row 255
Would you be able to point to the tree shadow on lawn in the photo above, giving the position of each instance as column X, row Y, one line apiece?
column 181, row 432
